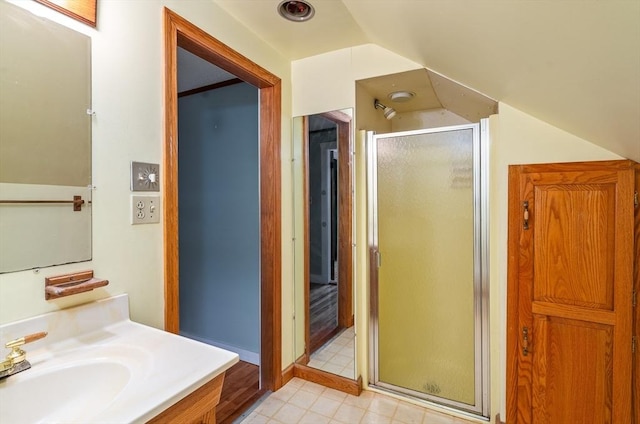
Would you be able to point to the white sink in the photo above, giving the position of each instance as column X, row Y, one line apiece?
column 80, row 391
column 98, row 366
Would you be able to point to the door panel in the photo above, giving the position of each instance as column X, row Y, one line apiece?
column 427, row 249
column 572, row 364
column 569, row 294
column 574, row 252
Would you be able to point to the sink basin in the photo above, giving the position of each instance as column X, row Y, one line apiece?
column 72, row 392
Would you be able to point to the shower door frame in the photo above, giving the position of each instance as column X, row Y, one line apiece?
column 480, row 265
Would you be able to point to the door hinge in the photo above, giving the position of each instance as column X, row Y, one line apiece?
column 636, row 202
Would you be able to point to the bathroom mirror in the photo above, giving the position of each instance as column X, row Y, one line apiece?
column 45, row 142
column 323, row 199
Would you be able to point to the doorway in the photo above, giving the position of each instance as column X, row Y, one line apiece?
column 429, row 306
column 181, row 33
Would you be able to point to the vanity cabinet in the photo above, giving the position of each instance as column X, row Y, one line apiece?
column 572, row 276
column 197, row 408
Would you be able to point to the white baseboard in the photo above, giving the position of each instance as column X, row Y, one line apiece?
column 245, row 355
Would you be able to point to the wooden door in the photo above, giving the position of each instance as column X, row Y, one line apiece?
column 569, row 301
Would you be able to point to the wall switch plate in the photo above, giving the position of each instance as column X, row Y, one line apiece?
column 145, row 176
column 145, row 209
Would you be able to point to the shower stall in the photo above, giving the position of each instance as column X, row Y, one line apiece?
column 428, row 265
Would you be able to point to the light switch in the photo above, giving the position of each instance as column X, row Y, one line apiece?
column 145, row 209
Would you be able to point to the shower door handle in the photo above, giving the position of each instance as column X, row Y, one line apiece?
column 375, row 258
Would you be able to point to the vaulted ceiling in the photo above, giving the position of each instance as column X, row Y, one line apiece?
column 573, row 64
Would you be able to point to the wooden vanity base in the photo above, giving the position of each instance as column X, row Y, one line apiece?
column 197, row 408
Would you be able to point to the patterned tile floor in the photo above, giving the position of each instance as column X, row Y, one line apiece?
column 336, row 356
column 303, row 402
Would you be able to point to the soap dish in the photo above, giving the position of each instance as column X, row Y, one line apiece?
column 68, row 284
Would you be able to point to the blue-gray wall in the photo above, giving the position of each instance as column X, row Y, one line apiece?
column 219, row 214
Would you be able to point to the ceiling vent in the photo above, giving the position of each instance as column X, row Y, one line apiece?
column 296, row 11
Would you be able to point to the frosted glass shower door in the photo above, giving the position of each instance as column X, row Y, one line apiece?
column 425, row 254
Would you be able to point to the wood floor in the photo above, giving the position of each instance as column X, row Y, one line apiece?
column 239, row 391
column 323, row 322
column 241, row 382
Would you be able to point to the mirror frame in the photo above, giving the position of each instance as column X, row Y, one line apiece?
column 84, row 11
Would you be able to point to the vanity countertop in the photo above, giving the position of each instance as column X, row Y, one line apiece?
column 96, row 365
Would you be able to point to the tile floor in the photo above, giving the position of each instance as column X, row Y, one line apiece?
column 336, row 356
column 300, row 402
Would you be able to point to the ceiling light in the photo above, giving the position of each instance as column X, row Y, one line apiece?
column 296, row 11
column 401, row 96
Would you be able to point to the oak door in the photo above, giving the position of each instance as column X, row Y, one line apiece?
column 569, row 331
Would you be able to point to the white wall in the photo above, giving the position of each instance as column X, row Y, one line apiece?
column 515, row 138
column 127, row 67
column 326, row 82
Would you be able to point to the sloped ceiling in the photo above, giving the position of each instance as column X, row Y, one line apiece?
column 573, row 64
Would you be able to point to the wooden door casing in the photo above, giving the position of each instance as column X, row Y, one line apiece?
column 570, row 282
column 178, row 32
column 636, row 280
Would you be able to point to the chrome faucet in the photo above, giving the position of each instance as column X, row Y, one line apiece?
column 16, row 360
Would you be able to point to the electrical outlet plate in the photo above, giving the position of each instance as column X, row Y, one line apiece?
column 145, row 209
column 145, row 176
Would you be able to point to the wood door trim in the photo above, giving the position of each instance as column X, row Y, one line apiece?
column 345, row 222
column 605, row 165
column 624, row 268
column 180, row 32
column 513, row 336
column 345, row 218
column 636, row 282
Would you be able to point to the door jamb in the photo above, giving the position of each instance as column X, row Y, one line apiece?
column 180, row 32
